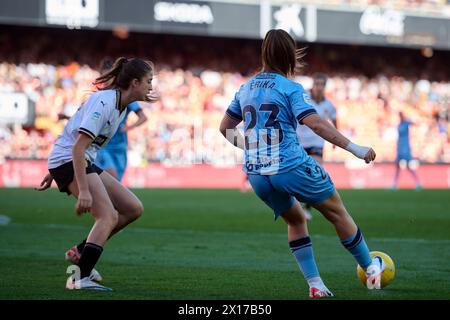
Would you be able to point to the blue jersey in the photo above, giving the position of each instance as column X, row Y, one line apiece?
column 403, row 146
column 120, row 140
column 271, row 106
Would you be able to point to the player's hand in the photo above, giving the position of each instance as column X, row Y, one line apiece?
column 45, row 183
column 361, row 152
column 84, row 202
column 370, row 156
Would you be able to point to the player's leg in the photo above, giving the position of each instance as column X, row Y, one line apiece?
column 351, row 237
column 285, row 205
column 106, row 218
column 128, row 206
column 414, row 175
column 301, row 248
column 105, row 161
column 397, row 174
column 112, row 172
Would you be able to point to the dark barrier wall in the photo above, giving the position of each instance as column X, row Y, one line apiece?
column 371, row 26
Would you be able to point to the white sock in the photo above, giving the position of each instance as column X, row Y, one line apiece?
column 316, row 282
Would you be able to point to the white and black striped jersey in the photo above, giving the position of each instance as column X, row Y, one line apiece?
column 99, row 117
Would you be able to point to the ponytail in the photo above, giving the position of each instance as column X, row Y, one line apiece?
column 123, row 72
column 109, row 79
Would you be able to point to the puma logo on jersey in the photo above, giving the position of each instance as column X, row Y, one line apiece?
column 103, row 104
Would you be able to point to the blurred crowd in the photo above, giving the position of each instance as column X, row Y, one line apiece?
column 196, row 86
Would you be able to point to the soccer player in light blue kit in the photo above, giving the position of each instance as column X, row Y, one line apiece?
column 278, row 168
column 404, row 151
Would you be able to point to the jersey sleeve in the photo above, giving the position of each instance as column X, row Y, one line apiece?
column 95, row 117
column 301, row 104
column 234, row 110
column 134, row 106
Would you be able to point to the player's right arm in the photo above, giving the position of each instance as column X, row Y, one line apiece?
column 231, row 119
column 95, row 118
column 84, row 202
column 328, row 132
column 45, row 183
column 230, row 132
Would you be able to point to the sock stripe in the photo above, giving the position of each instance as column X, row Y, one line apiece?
column 293, row 249
column 354, row 242
column 300, row 242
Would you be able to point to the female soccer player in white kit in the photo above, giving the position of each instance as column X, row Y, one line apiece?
column 310, row 141
column 71, row 162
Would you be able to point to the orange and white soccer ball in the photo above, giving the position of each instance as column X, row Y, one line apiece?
column 388, row 274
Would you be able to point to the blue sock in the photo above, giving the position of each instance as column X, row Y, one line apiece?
column 302, row 251
column 358, row 248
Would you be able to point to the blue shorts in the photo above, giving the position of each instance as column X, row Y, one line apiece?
column 108, row 159
column 403, row 153
column 404, row 156
column 308, row 183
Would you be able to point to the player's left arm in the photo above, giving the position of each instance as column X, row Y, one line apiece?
column 142, row 118
column 325, row 130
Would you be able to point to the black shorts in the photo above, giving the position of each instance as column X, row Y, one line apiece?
column 314, row 151
column 64, row 174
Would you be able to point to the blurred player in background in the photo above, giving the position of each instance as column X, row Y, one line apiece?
column 278, row 168
column 72, row 163
column 113, row 157
column 404, row 152
column 311, row 142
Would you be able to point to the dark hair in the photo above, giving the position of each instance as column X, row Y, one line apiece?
column 279, row 53
column 320, row 76
column 123, row 71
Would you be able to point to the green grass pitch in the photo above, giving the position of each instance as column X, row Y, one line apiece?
column 222, row 244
